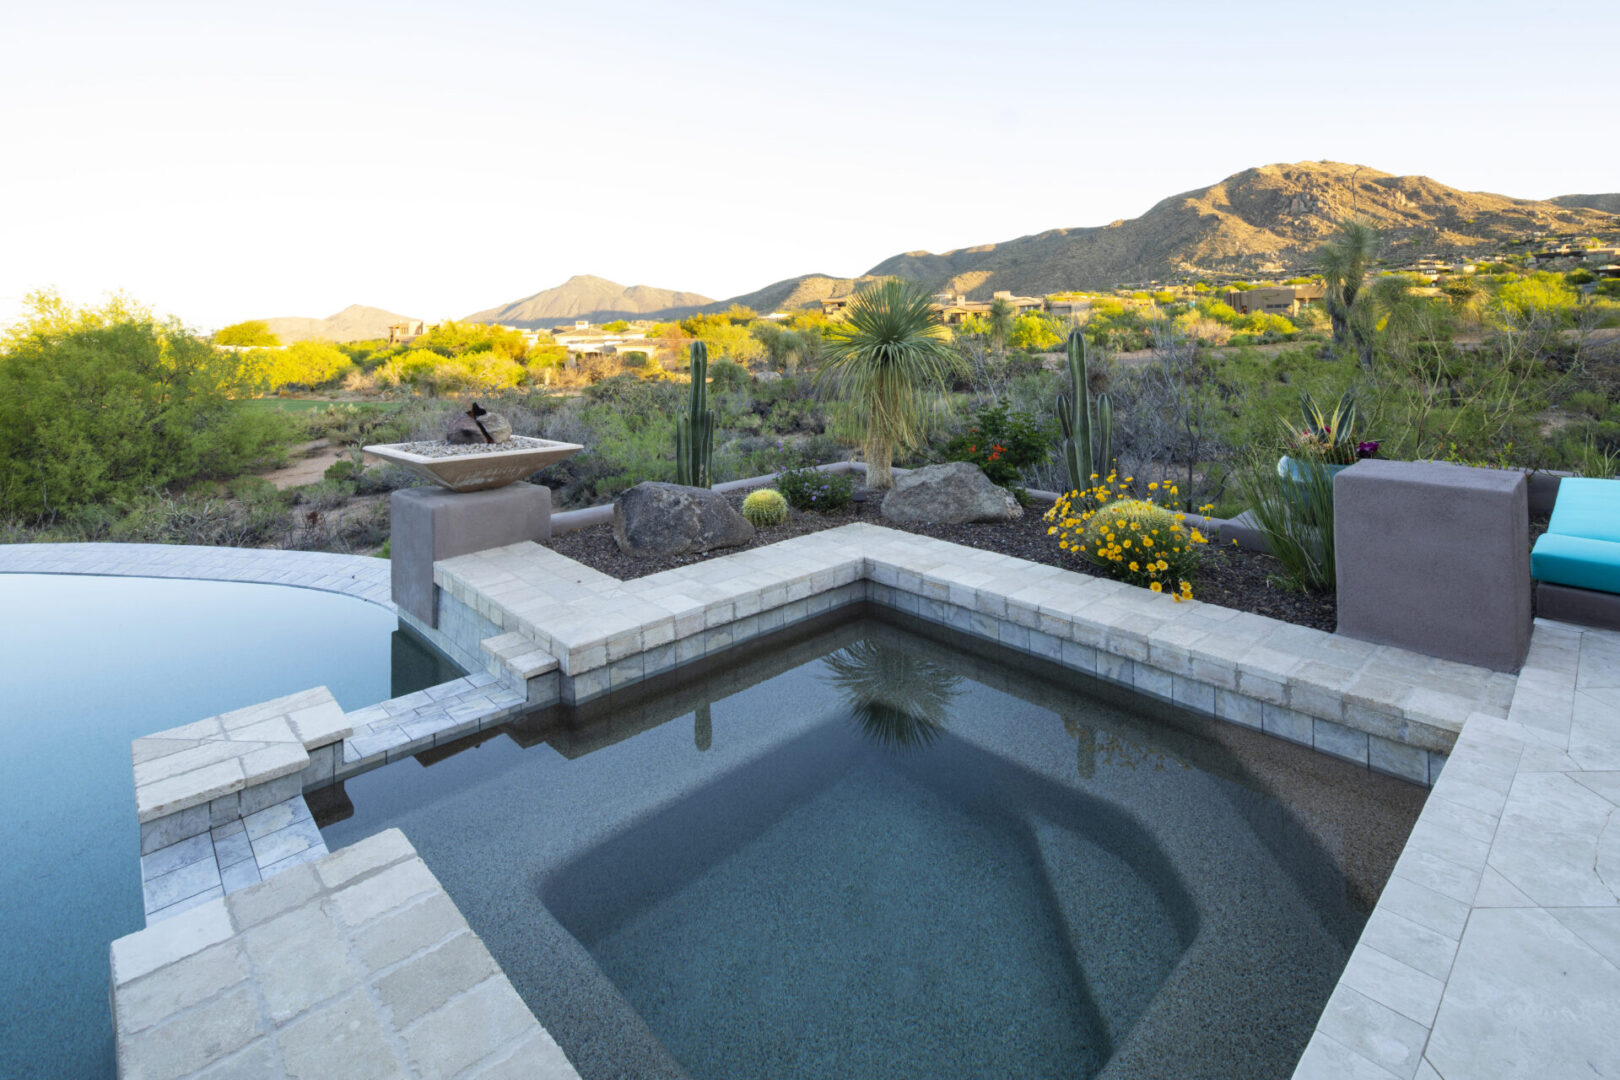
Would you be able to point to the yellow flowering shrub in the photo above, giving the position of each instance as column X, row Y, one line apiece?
column 1128, row 537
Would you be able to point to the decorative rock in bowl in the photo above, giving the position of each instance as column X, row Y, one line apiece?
column 478, row 452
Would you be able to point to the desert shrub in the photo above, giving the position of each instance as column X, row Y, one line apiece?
column 382, row 479
column 726, row 375
column 1002, row 443
column 326, row 495
column 764, row 508
column 1130, row 538
column 810, row 489
column 106, row 404
column 191, row 519
column 306, row 364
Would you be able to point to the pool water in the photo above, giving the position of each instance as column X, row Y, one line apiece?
column 871, row 849
column 86, row 665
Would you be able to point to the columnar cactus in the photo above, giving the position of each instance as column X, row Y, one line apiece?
column 1088, row 442
column 694, row 432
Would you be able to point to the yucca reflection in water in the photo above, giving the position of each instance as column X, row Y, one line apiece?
column 898, row 698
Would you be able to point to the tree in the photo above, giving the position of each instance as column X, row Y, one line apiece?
column 1034, row 332
column 101, row 405
column 1345, row 261
column 999, row 323
column 252, row 334
column 617, row 326
column 305, row 363
column 888, row 356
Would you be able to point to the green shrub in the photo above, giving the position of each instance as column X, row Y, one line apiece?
column 1002, row 443
column 764, row 508
column 102, row 405
column 726, row 375
column 1295, row 513
column 809, row 489
column 1129, row 538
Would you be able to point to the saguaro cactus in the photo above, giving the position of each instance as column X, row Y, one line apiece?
column 1088, row 441
column 694, row 432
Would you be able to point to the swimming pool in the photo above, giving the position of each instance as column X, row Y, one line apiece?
column 873, row 848
column 86, row 665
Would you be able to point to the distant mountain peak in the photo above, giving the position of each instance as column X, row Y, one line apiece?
column 596, row 299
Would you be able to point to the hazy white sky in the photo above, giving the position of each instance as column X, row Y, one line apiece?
column 222, row 161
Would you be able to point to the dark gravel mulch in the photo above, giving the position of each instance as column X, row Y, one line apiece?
column 1230, row 577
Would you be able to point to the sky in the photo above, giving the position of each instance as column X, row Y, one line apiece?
column 224, row 161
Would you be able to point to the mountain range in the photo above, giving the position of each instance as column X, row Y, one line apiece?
column 357, row 322
column 1262, row 221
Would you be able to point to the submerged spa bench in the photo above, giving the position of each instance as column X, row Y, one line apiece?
column 1577, row 561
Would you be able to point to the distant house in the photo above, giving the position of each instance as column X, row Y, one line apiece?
column 583, row 343
column 1274, row 299
column 402, row 332
column 952, row 308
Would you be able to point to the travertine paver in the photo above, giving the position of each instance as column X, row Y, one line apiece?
column 408, row 725
column 210, row 772
column 352, row 575
column 356, row 964
column 1494, row 950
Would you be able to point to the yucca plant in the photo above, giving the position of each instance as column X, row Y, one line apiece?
column 888, row 358
column 897, row 698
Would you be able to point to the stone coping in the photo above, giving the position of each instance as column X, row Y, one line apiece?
column 1494, row 950
column 356, row 964
column 360, row 576
column 590, row 622
column 213, row 759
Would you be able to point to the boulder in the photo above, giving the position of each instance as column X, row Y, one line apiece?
column 951, row 494
column 464, row 429
column 652, row 520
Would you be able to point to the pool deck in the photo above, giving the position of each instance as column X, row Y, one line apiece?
column 1494, row 950
column 353, row 965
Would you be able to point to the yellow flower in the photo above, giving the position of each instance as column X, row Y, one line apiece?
column 1156, row 587
column 1153, row 486
column 1052, row 531
column 1163, row 565
column 1147, row 541
column 1134, row 568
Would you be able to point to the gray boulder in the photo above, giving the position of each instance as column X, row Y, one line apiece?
column 652, row 520
column 952, row 494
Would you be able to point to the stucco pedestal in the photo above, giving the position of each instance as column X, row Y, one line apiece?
column 1435, row 558
column 429, row 524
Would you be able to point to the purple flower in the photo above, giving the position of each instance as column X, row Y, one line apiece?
column 1366, row 449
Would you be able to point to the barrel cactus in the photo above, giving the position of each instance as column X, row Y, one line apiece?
column 765, row 508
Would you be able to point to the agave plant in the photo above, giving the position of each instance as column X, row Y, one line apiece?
column 1330, row 437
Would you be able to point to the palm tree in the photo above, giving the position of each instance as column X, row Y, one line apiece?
column 999, row 320
column 1345, row 261
column 887, row 357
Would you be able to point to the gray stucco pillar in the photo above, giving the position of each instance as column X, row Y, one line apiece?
column 429, row 524
column 1434, row 558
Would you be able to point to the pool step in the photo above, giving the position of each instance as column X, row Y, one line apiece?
column 231, row 856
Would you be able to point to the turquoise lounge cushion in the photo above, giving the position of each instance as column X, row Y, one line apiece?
column 1587, row 507
column 1576, row 561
